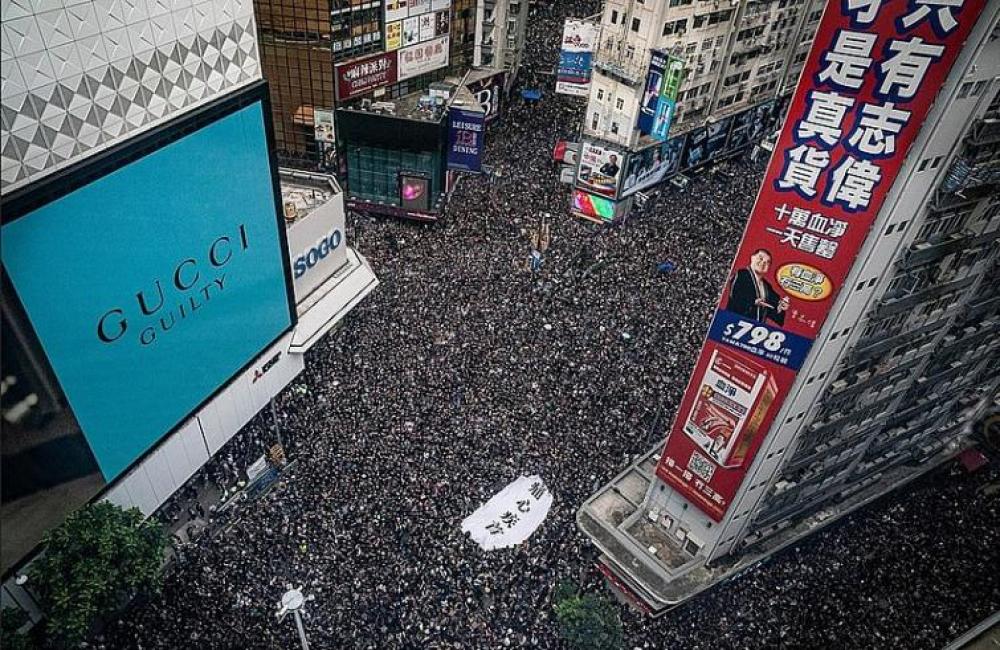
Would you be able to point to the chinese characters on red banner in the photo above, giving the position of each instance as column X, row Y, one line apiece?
column 867, row 85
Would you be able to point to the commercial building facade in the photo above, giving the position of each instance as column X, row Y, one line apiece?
column 159, row 285
column 903, row 353
column 304, row 41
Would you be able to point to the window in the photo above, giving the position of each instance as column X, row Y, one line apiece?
column 922, row 166
column 614, row 127
column 620, row 103
column 675, row 27
column 636, row 23
column 614, row 17
column 600, row 94
column 594, row 120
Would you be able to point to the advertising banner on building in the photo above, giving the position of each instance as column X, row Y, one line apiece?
column 666, row 106
column 395, row 10
column 417, row 7
column 600, row 169
column 316, row 246
column 651, row 94
column 870, row 78
column 595, row 207
column 393, row 35
column 466, row 132
column 489, row 93
column 652, row 165
column 751, row 125
column 576, row 58
column 360, row 76
column 323, row 125
column 425, row 57
column 152, row 285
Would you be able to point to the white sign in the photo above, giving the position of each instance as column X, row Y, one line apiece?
column 395, row 10
column 424, row 57
column 576, row 58
column 316, row 246
column 511, row 516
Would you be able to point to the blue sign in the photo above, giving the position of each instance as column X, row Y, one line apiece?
column 466, row 130
column 152, row 286
column 665, row 110
column 762, row 340
column 575, row 66
column 651, row 95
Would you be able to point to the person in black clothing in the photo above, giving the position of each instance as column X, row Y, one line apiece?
column 610, row 168
column 751, row 295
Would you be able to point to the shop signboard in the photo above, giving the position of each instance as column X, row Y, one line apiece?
column 360, row 76
column 652, row 165
column 576, row 58
column 651, row 95
column 600, row 169
column 423, row 57
column 666, row 106
column 864, row 93
column 466, row 131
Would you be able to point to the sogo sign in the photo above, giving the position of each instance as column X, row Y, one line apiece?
column 316, row 247
column 314, row 254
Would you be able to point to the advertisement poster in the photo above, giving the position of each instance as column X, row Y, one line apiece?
column 323, row 125
column 424, row 57
column 666, row 106
column 489, row 93
column 652, row 165
column 395, row 10
column 393, row 36
column 417, row 7
column 440, row 5
column 442, row 21
column 864, row 93
column 595, row 207
column 576, row 58
column 651, row 94
column 360, row 76
column 411, row 31
column 600, row 169
column 717, row 134
column 161, row 280
column 466, row 133
column 427, row 26
column 751, row 125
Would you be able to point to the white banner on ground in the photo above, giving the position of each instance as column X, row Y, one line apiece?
column 511, row 516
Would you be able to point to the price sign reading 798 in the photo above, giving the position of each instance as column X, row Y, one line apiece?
column 761, row 340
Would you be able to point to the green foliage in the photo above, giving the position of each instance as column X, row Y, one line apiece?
column 11, row 620
column 96, row 560
column 587, row 621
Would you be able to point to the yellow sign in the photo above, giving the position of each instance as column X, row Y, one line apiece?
column 393, row 35
column 804, row 282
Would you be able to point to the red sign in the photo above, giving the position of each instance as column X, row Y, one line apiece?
column 871, row 76
column 360, row 76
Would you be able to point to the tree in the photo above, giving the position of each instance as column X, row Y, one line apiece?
column 11, row 620
column 587, row 621
column 99, row 558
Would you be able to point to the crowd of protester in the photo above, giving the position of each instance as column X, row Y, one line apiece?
column 466, row 369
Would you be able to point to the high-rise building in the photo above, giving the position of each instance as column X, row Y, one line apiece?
column 162, row 280
column 500, row 30
column 676, row 85
column 857, row 336
column 303, row 41
column 734, row 54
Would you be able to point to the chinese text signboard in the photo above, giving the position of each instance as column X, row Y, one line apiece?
column 868, row 83
column 360, row 76
column 576, row 58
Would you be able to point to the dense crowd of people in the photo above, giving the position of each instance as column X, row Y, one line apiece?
column 464, row 370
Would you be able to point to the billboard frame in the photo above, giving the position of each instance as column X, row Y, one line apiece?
column 23, row 201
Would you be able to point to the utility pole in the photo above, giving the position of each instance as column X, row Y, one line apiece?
column 293, row 601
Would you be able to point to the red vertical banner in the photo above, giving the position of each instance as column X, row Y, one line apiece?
column 870, row 78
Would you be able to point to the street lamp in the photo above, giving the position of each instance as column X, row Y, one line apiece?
column 293, row 601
